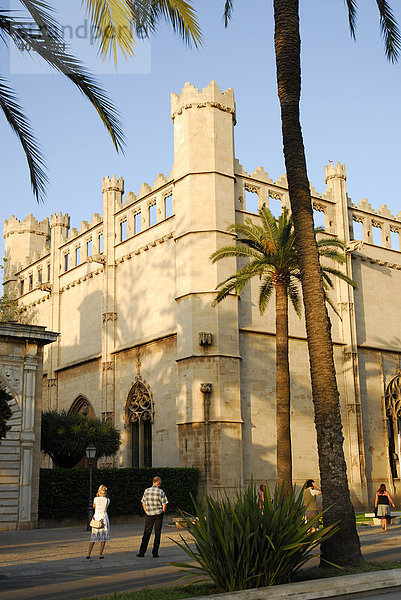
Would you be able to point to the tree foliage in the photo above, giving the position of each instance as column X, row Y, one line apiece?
column 5, row 412
column 65, row 437
column 269, row 253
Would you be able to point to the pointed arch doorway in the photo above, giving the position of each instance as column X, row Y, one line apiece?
column 393, row 414
column 139, row 420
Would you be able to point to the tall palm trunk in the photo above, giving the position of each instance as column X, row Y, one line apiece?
column 284, row 460
column 344, row 547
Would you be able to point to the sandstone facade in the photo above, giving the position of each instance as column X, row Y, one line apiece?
column 21, row 374
column 130, row 293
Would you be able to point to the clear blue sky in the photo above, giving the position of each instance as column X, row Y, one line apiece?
column 350, row 107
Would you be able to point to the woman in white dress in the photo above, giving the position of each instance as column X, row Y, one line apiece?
column 100, row 504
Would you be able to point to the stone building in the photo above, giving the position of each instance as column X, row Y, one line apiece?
column 21, row 372
column 130, row 293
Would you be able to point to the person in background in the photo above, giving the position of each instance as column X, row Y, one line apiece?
column 102, row 535
column 382, row 506
column 311, row 491
column 154, row 502
column 262, row 489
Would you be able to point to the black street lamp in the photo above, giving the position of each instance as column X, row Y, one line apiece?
column 90, row 455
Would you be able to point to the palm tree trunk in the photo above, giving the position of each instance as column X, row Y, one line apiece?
column 344, row 547
column 284, row 460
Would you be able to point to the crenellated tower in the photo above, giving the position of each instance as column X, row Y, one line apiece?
column 23, row 239
column 208, row 361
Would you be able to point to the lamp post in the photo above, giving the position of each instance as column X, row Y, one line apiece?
column 90, row 455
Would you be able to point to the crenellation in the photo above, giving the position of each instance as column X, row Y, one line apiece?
column 96, row 219
column 211, row 95
column 261, row 175
column 84, row 227
column 59, row 220
column 238, row 168
column 313, row 191
column 113, row 184
column 365, row 205
column 385, row 212
column 130, row 198
column 73, row 233
column 282, row 181
column 334, row 172
column 144, row 190
column 159, row 182
column 27, row 225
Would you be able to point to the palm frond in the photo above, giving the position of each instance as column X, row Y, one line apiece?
column 333, row 255
column 228, row 11
column 352, row 10
column 20, row 125
column 293, row 293
column 340, row 275
column 52, row 52
column 112, row 25
column 179, row 13
column 265, row 293
column 389, row 30
column 230, row 251
column 330, row 303
column 41, row 13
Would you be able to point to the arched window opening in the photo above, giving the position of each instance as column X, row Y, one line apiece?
column 393, row 413
column 139, row 416
column 82, row 406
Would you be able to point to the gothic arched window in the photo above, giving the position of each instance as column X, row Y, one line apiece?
column 82, row 406
column 393, row 413
column 139, row 418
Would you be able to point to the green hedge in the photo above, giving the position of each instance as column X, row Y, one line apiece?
column 63, row 493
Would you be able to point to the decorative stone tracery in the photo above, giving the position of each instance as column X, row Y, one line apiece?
column 393, row 413
column 139, row 404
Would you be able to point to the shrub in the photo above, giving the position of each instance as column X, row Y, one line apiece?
column 64, row 492
column 5, row 412
column 241, row 546
column 65, row 437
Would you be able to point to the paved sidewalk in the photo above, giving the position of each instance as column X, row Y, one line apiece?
column 50, row 563
column 42, row 551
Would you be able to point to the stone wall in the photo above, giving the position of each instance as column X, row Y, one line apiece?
column 21, row 372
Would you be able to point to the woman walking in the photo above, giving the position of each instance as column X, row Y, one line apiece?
column 100, row 534
column 382, row 505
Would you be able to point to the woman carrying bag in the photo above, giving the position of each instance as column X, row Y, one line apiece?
column 382, row 505
column 100, row 522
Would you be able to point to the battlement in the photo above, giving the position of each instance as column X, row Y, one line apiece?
column 59, row 220
column 210, row 96
column 113, row 184
column 334, row 172
column 146, row 189
column 28, row 225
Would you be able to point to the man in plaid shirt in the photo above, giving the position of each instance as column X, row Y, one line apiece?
column 154, row 502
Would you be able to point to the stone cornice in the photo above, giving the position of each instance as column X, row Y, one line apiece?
column 376, row 261
column 210, row 104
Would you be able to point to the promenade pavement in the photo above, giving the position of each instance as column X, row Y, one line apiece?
column 47, row 564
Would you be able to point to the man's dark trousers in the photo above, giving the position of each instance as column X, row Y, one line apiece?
column 157, row 521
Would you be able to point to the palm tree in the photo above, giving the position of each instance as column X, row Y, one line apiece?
column 272, row 256
column 343, row 548
column 37, row 31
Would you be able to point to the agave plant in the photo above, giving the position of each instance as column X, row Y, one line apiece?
column 248, row 542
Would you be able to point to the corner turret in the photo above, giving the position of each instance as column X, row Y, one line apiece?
column 23, row 240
